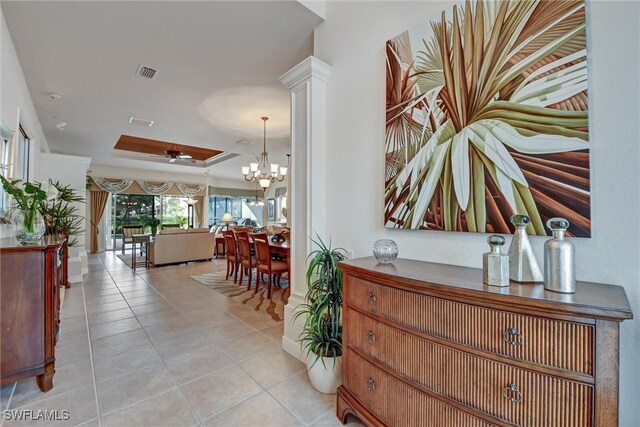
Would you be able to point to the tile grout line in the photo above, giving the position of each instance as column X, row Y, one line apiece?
column 264, row 390
column 233, row 362
column 178, row 386
column 161, row 359
column 93, row 370
column 8, row 405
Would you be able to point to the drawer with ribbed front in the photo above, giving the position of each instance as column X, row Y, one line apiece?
column 398, row 404
column 518, row 396
column 546, row 342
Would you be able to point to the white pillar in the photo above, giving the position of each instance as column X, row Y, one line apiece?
column 307, row 193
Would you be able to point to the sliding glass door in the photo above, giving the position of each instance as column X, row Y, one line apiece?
column 138, row 209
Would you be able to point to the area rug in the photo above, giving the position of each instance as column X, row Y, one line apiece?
column 273, row 308
column 126, row 258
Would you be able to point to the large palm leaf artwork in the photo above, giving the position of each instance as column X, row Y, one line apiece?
column 487, row 116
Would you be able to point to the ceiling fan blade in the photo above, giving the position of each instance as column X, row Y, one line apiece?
column 186, row 160
column 184, row 156
column 172, row 160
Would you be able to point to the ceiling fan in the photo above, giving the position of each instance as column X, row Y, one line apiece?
column 173, row 154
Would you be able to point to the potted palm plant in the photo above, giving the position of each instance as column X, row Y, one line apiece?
column 321, row 334
column 154, row 223
column 61, row 215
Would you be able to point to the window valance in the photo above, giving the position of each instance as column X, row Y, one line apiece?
column 191, row 189
column 231, row 192
column 112, row 185
column 155, row 188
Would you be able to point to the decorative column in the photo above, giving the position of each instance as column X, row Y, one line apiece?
column 307, row 193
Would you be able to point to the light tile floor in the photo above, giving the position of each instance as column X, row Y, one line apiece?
column 156, row 348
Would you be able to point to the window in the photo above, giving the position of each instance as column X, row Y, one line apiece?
column 133, row 209
column 24, row 149
column 219, row 205
column 174, row 209
column 139, row 208
column 4, row 166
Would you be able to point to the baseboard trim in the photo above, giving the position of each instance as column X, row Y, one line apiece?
column 293, row 348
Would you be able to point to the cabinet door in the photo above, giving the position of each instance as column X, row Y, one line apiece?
column 22, row 313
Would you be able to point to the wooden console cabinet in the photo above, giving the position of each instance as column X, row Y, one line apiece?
column 29, row 303
column 430, row 345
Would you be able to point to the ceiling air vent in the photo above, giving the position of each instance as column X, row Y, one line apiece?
column 147, row 72
column 244, row 142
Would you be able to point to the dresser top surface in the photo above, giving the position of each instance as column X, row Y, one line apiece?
column 598, row 300
column 10, row 244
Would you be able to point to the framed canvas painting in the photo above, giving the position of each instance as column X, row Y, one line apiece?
column 271, row 209
column 487, row 116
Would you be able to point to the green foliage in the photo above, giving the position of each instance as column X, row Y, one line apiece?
column 153, row 223
column 55, row 204
column 61, row 215
column 180, row 219
column 322, row 330
column 27, row 195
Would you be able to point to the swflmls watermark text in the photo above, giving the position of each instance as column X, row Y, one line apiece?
column 39, row 415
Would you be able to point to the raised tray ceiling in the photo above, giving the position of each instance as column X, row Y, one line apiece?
column 152, row 146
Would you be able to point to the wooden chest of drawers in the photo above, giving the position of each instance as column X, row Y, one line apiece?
column 430, row 345
column 29, row 304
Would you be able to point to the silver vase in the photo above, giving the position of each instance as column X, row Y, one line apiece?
column 523, row 266
column 495, row 264
column 559, row 262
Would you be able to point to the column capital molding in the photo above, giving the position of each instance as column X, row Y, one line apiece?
column 310, row 68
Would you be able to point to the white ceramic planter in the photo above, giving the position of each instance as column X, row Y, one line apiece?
column 327, row 377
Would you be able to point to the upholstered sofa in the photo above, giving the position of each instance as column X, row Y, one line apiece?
column 175, row 246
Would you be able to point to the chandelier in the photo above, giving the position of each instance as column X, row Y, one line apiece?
column 263, row 172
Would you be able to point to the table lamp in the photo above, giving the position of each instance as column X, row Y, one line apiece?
column 227, row 219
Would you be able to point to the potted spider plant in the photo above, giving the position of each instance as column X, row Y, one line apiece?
column 321, row 334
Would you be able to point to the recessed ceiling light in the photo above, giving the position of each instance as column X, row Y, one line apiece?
column 141, row 122
column 54, row 96
column 61, row 125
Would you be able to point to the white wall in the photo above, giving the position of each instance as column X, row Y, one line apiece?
column 71, row 171
column 13, row 94
column 352, row 41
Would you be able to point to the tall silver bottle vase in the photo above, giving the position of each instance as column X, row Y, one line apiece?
column 523, row 266
column 559, row 259
column 495, row 264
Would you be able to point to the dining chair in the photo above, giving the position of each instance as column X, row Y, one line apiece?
column 267, row 265
column 232, row 254
column 247, row 260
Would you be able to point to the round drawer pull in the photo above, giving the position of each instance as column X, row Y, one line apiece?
column 371, row 385
column 513, row 337
column 512, row 394
column 371, row 337
column 372, row 297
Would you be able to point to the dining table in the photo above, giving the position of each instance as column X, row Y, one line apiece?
column 280, row 248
